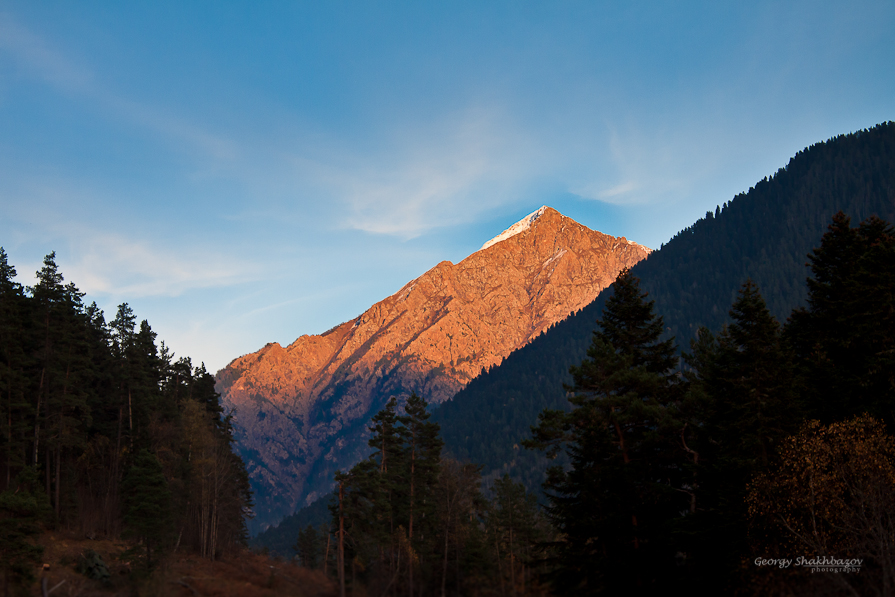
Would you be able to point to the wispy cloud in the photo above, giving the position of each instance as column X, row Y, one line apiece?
column 108, row 264
column 651, row 166
column 42, row 60
column 441, row 174
column 136, row 263
column 619, row 189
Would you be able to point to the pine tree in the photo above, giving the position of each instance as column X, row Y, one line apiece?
column 22, row 507
column 745, row 378
column 612, row 503
column 845, row 339
column 460, row 505
column 514, row 529
column 308, row 547
column 147, row 503
column 14, row 406
column 387, row 507
column 422, row 459
column 48, row 295
column 382, row 486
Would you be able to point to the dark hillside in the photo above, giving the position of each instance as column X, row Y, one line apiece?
column 765, row 233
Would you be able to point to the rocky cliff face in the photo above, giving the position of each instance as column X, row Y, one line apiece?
column 303, row 409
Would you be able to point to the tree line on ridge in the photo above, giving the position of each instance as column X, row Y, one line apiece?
column 763, row 441
column 104, row 433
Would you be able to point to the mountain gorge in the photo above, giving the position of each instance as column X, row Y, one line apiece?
column 302, row 410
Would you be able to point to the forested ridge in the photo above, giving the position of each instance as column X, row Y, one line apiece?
column 701, row 461
column 764, row 234
column 104, row 434
column 408, row 521
column 773, row 442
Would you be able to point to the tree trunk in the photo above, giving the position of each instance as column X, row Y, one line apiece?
column 41, row 386
column 503, row 588
column 40, row 389
column 58, row 480
column 48, row 461
column 9, row 424
column 115, row 463
column 410, row 539
column 341, row 541
column 457, row 568
column 9, row 451
column 512, row 560
column 445, row 567
column 130, row 417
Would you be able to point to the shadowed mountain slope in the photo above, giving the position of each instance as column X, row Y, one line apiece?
column 765, row 233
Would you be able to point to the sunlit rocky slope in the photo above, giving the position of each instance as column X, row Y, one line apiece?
column 302, row 409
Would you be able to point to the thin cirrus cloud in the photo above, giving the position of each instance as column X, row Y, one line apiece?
column 112, row 265
column 61, row 214
column 40, row 58
column 443, row 174
column 413, row 183
column 43, row 61
column 618, row 190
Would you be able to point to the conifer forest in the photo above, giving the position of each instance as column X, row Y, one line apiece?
column 758, row 441
column 106, row 434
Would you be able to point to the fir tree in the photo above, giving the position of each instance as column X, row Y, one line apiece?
column 845, row 339
column 744, row 377
column 613, row 501
column 22, row 507
column 14, row 406
column 308, row 547
column 147, row 503
column 422, row 458
column 514, row 528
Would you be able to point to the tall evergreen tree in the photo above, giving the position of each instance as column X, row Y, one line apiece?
column 514, row 529
column 14, row 406
column 308, row 547
column 22, row 508
column 744, row 379
column 49, row 297
column 612, row 503
column 422, row 461
column 387, row 506
column 147, row 503
column 845, row 338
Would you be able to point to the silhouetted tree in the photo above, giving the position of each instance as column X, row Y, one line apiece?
column 613, row 501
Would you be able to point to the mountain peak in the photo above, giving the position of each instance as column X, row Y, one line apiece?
column 520, row 226
column 303, row 410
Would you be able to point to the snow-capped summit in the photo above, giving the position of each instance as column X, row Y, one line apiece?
column 520, row 226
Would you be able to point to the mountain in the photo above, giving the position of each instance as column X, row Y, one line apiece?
column 764, row 234
column 302, row 410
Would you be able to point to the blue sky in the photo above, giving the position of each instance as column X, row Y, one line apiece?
column 242, row 173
